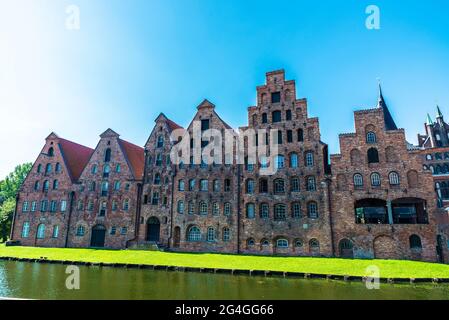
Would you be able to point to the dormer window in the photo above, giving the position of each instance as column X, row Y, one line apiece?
column 275, row 97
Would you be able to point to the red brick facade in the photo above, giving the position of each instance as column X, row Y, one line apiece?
column 378, row 201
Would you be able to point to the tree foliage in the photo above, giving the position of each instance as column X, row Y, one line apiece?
column 9, row 187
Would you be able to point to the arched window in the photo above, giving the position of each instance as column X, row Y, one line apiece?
column 36, row 186
column 309, row 159
column 293, row 160
column 58, row 167
column 264, row 211
column 299, row 243
column 371, row 137
column 157, row 179
column 180, row 207
column 118, row 168
column 263, row 185
column 375, row 179
column 415, row 242
column 55, row 185
column 80, row 231
column 94, row 169
column 250, row 242
column 159, row 160
column 373, row 155
column 279, row 186
column 39, row 168
column 314, row 244
column 194, row 234
column 210, row 234
column 160, row 141
column 204, row 185
column 279, row 161
column 311, row 184
column 48, row 168
column 250, row 186
column 412, row 179
column 191, row 184
column 181, row 185
column 107, row 155
column 51, row 152
column 216, row 185
column 227, row 209
column 216, row 209
column 296, row 210
column 226, row 234
column 41, row 231
column 46, row 186
column 279, row 212
column 312, row 210
column 265, row 243
column 294, row 184
column 358, row 180
column 282, row 243
column 126, row 205
column 191, row 207
column 106, row 171
column 203, row 208
column 25, row 230
column 394, row 178
column 250, row 211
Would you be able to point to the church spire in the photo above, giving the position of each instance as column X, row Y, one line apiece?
column 429, row 120
column 388, row 119
column 439, row 113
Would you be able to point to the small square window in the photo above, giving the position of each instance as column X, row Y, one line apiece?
column 275, row 97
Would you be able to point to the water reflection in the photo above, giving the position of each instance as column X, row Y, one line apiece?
column 47, row 281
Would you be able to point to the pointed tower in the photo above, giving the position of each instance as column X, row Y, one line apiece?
column 389, row 122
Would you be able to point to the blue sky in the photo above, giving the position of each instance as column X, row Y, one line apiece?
column 130, row 60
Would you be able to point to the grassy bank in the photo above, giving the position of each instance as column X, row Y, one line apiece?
column 388, row 268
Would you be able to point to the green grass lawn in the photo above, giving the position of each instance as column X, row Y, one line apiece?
column 388, row 268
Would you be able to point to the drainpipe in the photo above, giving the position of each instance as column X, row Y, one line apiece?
column 331, row 223
column 14, row 216
column 137, row 220
column 171, row 206
column 238, row 208
column 72, row 198
column 390, row 212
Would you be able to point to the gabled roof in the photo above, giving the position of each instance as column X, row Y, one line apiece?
column 76, row 157
column 135, row 156
column 171, row 124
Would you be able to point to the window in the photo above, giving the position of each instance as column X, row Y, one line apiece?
column 159, row 160
column 191, row 184
column 63, row 205
column 300, row 133
column 210, row 234
column 370, row 137
column 90, row 205
column 288, row 115
column 92, row 186
column 39, row 168
column 44, row 205
column 373, row 155
column 155, row 198
column 106, row 171
column 294, row 184
column 275, row 97
column 312, row 210
column 25, row 206
column 216, row 209
column 53, row 205
column 311, row 184
column 309, row 159
column 375, row 179
column 126, row 205
column 250, row 242
column 160, row 142
column 102, row 209
column 314, row 244
column 298, row 243
column 293, row 160
column 263, row 185
column 191, row 207
column 296, row 210
column 104, row 188
column 265, row 243
column 123, row 230
column 41, row 231
column 227, row 210
column 227, row 185
column 114, row 205
column 33, row 206
column 181, row 186
column 117, row 185
column 58, row 167
column 55, row 232
column 264, row 162
column 80, row 205
column 36, row 186
column 279, row 137
column 279, row 161
column 113, row 230
column 194, row 234
column 394, row 178
column 45, row 186
column 289, row 136
column 180, row 207
column 415, row 242
column 203, row 208
column 55, row 184
column 279, row 186
column 48, row 168
column 279, row 212
column 80, row 231
column 226, row 234
column 107, row 155
column 157, row 179
column 51, row 152
column 216, row 186
column 282, row 243
column 264, row 118
column 264, row 211
column 127, row 186
column 250, row 211
column 26, row 229
column 118, row 168
column 276, row 116
column 358, row 180
column 250, row 186
column 94, row 169
column 204, row 124
column 204, row 185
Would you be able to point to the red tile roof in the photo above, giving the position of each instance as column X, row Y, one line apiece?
column 76, row 157
column 173, row 125
column 135, row 156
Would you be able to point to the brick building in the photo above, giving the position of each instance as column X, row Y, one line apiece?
column 383, row 202
column 269, row 189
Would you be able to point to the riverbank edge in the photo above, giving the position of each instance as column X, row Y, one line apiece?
column 263, row 273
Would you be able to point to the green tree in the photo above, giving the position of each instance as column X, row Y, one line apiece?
column 9, row 187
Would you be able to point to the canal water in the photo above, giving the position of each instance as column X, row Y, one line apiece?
column 48, row 281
